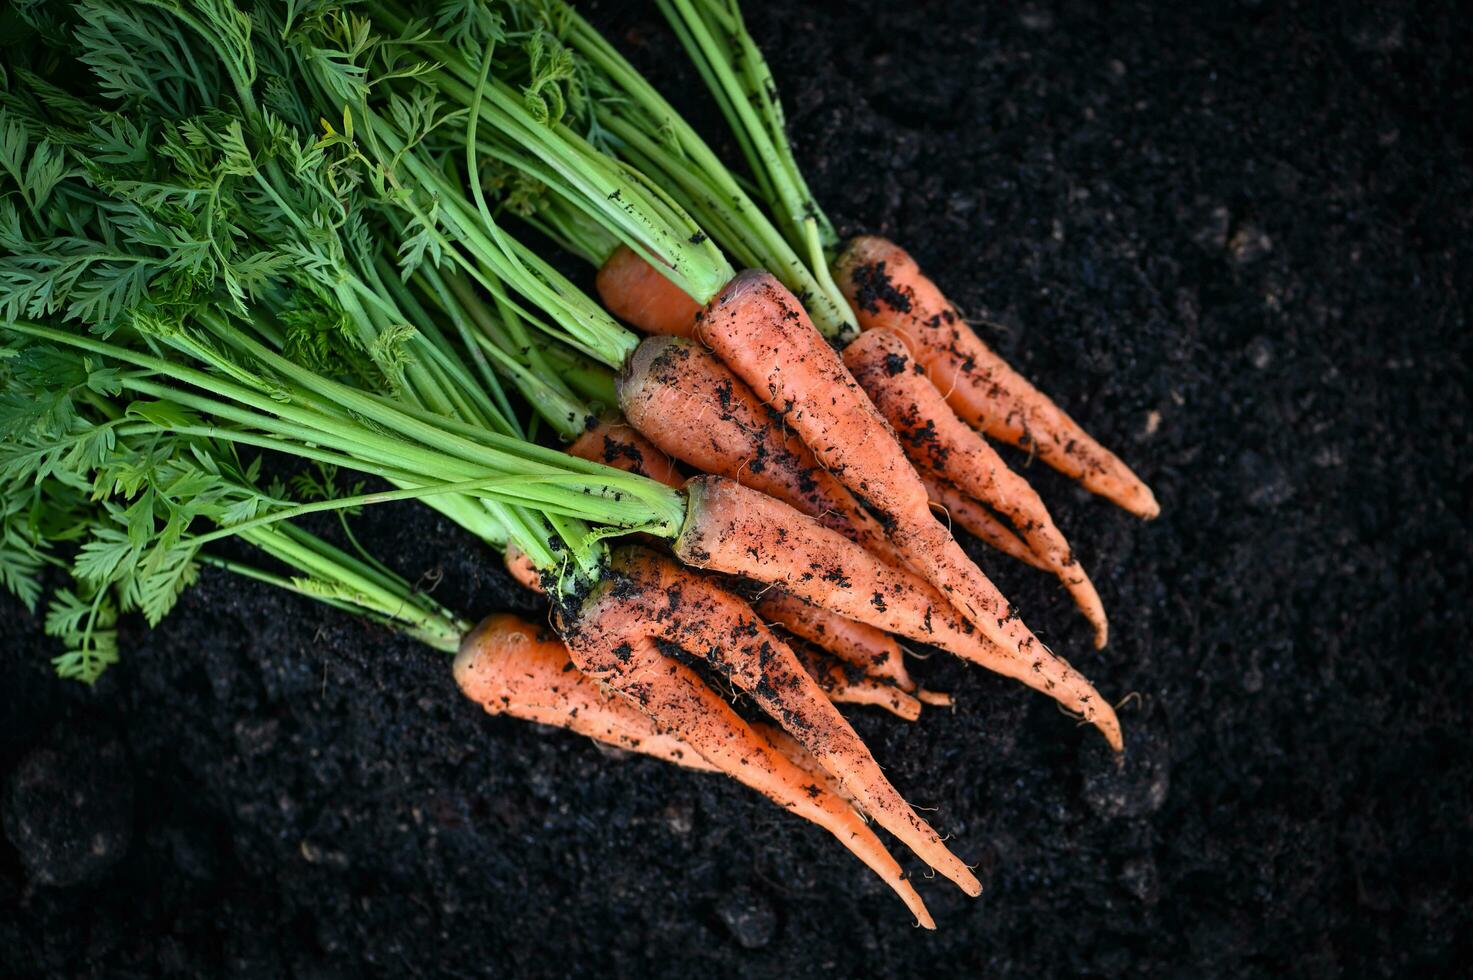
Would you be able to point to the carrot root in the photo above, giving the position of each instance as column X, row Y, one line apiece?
column 648, row 598
column 887, row 290
column 945, row 446
column 862, row 646
column 509, row 666
column 738, row 531
column 615, row 443
column 635, row 292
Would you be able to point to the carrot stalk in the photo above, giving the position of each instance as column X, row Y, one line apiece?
column 735, row 530
column 871, row 650
column 692, row 406
column 977, row 520
column 942, row 444
column 637, row 293
column 509, row 666
column 887, row 289
column 760, row 330
column 648, row 599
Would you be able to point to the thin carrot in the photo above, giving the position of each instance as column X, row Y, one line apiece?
column 977, row 520
column 693, row 407
column 636, row 292
column 887, row 289
column 760, row 330
column 939, row 442
column 509, row 666
column 871, row 650
column 848, row 685
column 738, row 531
column 613, row 637
column 616, row 443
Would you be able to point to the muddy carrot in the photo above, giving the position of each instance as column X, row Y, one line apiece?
column 616, row 443
column 693, row 407
column 519, row 565
column 763, row 335
column 887, row 289
column 944, row 445
column 871, row 650
column 509, row 666
column 977, row 520
column 848, row 685
column 737, row 531
column 613, row 634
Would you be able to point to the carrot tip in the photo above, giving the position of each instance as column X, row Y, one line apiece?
column 936, row 699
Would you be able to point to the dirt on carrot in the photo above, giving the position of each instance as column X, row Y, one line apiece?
column 888, row 290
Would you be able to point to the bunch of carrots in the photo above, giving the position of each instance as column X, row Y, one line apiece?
column 292, row 230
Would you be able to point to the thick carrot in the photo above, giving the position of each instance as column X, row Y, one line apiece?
column 871, row 650
column 977, row 520
column 693, row 407
column 848, row 685
column 521, row 569
column 635, row 292
column 887, row 289
column 647, row 598
column 735, row 530
column 509, row 666
column 759, row 329
column 616, row 443
column 942, row 444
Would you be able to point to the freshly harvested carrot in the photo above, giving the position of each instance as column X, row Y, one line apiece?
column 616, row 443
column 613, row 637
column 521, row 569
column 887, row 289
column 693, row 407
column 636, row 292
column 760, row 330
column 848, row 685
column 977, row 520
column 871, row 650
column 738, row 531
column 509, row 666
column 942, row 444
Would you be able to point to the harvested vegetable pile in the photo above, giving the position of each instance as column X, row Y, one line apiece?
column 397, row 419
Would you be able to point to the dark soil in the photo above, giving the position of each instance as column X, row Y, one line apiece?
column 1233, row 240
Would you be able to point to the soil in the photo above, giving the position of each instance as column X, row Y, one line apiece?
column 1231, row 237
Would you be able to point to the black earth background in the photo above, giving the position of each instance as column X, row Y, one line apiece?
column 1231, row 238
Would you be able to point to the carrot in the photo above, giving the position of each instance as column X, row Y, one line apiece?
column 977, row 520
column 942, row 444
column 523, row 572
column 692, row 406
column 735, row 530
column 887, row 289
column 614, row 635
column 761, row 332
column 848, row 685
column 509, row 666
column 871, row 650
column 618, row 444
column 636, row 292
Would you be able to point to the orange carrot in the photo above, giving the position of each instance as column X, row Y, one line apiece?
column 509, row 666
column 887, row 289
column 522, row 571
column 848, row 685
column 738, row 531
column 871, row 650
column 692, row 406
column 944, row 445
column 613, row 638
column 977, row 520
column 635, row 292
column 615, row 443
column 759, row 329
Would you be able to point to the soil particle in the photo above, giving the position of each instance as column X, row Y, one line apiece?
column 748, row 916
